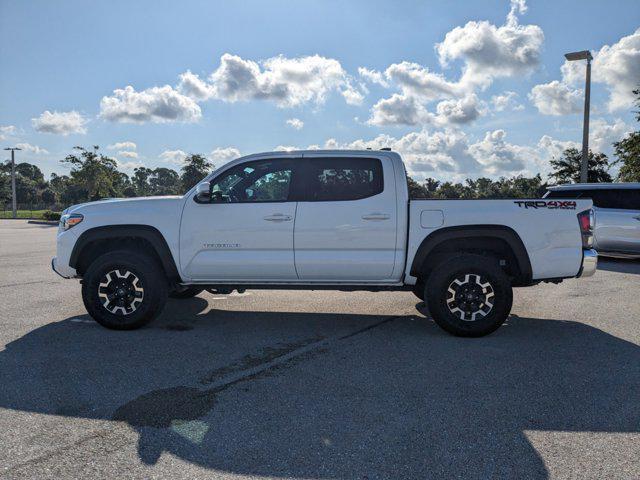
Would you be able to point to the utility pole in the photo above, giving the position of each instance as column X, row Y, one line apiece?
column 584, row 162
column 13, row 180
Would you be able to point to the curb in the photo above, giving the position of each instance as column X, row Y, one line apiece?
column 42, row 222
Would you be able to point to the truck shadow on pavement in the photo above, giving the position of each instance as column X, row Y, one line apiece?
column 395, row 398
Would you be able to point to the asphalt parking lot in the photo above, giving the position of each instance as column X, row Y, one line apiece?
column 276, row 384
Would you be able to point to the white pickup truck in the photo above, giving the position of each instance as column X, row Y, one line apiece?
column 339, row 220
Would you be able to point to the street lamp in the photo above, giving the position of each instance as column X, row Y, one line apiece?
column 584, row 164
column 13, row 180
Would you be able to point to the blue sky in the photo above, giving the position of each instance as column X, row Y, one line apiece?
column 457, row 87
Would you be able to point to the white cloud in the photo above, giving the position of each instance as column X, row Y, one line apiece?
column 132, row 165
column 60, row 123
column 156, row 104
column 556, row 98
column 373, row 76
column 489, row 52
column 122, row 146
column 128, row 154
column 173, row 156
column 399, row 109
column 223, row 155
column 289, row 82
column 295, row 123
column 498, row 156
column 602, row 134
column 7, row 131
column 506, row 101
column 462, row 111
column 418, row 81
column 193, row 86
column 617, row 66
column 32, row 148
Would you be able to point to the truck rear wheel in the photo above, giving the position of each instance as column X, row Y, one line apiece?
column 123, row 290
column 469, row 295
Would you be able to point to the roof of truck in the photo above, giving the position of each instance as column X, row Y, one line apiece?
column 595, row 186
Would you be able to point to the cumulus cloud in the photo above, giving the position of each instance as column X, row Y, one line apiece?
column 462, row 111
column 32, row 148
column 399, row 109
column 556, row 98
column 498, row 156
column 128, row 154
column 288, row 82
column 60, row 123
column 617, row 66
column 131, row 165
column 122, row 146
column 223, row 155
column 603, row 134
column 486, row 52
column 295, row 123
column 193, row 86
column 489, row 52
column 175, row 157
column 7, row 131
column 373, row 76
column 156, row 104
column 506, row 101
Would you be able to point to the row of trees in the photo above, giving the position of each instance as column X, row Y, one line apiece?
column 93, row 176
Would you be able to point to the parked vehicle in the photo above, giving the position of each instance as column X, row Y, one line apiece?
column 617, row 214
column 337, row 220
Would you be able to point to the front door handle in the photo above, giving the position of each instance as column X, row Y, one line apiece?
column 278, row 217
column 376, row 216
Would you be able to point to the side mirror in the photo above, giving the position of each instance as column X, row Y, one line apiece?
column 203, row 193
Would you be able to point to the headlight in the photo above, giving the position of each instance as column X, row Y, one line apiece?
column 69, row 220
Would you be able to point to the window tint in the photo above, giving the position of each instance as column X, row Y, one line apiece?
column 261, row 181
column 333, row 179
column 619, row 198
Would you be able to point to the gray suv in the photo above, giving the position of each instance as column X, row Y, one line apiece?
column 617, row 214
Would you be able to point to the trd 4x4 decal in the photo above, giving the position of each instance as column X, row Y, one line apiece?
column 550, row 204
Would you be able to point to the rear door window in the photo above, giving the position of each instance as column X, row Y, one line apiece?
column 340, row 179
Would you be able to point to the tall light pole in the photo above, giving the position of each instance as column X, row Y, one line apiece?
column 584, row 163
column 13, row 180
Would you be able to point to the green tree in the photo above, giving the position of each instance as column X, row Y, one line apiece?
column 195, row 168
column 566, row 169
column 627, row 152
column 165, row 181
column 94, row 174
column 140, row 181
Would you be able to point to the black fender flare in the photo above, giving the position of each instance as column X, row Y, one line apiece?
column 145, row 232
column 502, row 232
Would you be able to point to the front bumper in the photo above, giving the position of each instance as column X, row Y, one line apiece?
column 589, row 263
column 64, row 271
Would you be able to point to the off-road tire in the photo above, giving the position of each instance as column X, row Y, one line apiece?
column 463, row 277
column 418, row 290
column 147, row 275
column 189, row 292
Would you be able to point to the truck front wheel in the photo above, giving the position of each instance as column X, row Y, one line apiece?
column 124, row 290
column 469, row 295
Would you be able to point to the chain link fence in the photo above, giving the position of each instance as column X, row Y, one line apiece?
column 36, row 211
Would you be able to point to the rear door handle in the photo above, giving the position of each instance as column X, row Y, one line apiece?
column 278, row 217
column 376, row 216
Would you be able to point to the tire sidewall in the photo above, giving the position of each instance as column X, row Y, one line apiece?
column 151, row 277
column 437, row 288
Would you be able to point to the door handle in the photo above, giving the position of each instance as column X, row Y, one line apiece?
column 278, row 217
column 376, row 216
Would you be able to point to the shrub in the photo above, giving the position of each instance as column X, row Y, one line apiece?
column 49, row 215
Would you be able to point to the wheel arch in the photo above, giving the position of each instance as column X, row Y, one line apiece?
column 89, row 244
column 475, row 238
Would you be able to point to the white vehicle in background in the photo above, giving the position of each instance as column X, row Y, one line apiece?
column 617, row 214
column 339, row 220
